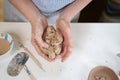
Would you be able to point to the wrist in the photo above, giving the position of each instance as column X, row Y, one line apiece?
column 36, row 19
column 65, row 17
column 37, row 22
column 62, row 23
column 61, row 19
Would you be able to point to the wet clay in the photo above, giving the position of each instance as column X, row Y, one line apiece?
column 54, row 39
column 102, row 73
column 4, row 46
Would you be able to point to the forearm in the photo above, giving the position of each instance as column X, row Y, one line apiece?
column 70, row 11
column 28, row 9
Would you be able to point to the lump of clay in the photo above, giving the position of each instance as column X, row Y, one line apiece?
column 54, row 39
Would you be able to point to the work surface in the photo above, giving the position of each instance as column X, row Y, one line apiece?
column 93, row 45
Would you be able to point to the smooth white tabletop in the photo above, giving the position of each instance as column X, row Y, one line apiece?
column 94, row 44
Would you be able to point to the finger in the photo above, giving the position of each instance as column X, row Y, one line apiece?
column 62, row 53
column 68, row 53
column 41, row 43
column 38, row 36
column 67, row 36
column 39, row 51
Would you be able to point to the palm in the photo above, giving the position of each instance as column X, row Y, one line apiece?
column 37, row 40
column 64, row 27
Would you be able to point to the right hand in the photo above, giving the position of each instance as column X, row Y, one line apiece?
column 64, row 27
column 37, row 32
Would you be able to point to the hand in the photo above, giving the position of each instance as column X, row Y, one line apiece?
column 37, row 32
column 64, row 27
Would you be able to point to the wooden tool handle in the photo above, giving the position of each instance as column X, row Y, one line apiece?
column 32, row 57
column 31, row 76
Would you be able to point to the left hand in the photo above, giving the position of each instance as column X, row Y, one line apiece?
column 38, row 27
column 64, row 27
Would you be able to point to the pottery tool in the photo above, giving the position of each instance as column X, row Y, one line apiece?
column 17, row 64
column 32, row 56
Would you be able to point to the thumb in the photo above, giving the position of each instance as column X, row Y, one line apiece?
column 40, row 42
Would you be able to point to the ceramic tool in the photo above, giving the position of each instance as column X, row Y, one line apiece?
column 17, row 64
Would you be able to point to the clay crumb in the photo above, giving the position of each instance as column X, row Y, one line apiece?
column 100, row 78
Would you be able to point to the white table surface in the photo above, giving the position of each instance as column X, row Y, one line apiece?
column 94, row 44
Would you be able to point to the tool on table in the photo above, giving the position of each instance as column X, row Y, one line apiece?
column 17, row 64
column 32, row 56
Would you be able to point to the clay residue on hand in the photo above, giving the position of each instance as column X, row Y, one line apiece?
column 54, row 39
